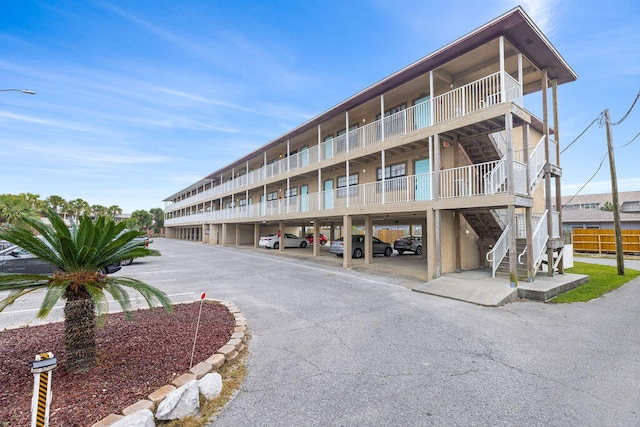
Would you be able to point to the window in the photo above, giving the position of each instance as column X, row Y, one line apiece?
column 390, row 173
column 291, row 192
column 394, row 171
column 589, row 206
column 242, row 202
column 353, row 185
column 272, row 196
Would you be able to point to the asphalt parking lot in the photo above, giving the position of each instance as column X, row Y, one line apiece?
column 334, row 347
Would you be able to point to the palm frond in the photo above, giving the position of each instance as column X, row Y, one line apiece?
column 54, row 292
column 152, row 295
column 10, row 281
column 14, row 295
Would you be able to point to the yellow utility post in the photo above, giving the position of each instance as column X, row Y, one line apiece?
column 41, row 370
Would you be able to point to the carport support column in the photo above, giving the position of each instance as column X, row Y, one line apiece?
column 458, row 243
column 281, row 235
column 346, row 235
column 438, row 246
column 429, row 241
column 224, row 234
column 256, row 235
column 368, row 241
column 316, row 237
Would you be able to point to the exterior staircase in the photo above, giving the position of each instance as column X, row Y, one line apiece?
column 485, row 223
column 503, row 268
column 482, row 148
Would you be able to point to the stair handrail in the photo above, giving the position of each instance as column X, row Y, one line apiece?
column 539, row 240
column 537, row 161
column 495, row 178
column 499, row 250
column 521, row 255
column 538, row 244
column 500, row 141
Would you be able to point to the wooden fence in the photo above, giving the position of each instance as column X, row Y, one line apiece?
column 604, row 241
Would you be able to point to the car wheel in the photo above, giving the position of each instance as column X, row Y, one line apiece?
column 127, row 261
column 323, row 243
column 339, row 255
column 419, row 250
column 276, row 245
column 303, row 244
column 388, row 251
column 357, row 253
column 400, row 251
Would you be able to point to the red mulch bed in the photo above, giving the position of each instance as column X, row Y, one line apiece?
column 135, row 358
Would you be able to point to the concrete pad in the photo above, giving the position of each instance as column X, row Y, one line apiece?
column 476, row 286
column 543, row 288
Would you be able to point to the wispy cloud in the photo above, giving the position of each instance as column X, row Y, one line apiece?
column 76, row 154
column 542, row 12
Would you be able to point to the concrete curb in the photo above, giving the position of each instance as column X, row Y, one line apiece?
column 225, row 354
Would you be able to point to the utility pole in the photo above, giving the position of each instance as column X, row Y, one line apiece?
column 614, row 195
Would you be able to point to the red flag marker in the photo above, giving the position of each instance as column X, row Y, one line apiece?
column 203, row 295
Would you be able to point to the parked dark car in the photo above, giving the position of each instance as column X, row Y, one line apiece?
column 14, row 259
column 141, row 240
column 408, row 243
column 357, row 246
column 323, row 239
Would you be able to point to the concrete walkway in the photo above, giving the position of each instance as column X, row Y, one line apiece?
column 478, row 287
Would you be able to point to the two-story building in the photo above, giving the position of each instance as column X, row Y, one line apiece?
column 446, row 143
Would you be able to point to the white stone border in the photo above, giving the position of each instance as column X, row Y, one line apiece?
column 226, row 353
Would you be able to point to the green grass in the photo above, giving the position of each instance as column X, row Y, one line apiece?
column 602, row 279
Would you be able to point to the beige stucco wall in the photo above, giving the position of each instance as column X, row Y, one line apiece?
column 469, row 254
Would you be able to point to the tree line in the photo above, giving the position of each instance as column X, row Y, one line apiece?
column 13, row 205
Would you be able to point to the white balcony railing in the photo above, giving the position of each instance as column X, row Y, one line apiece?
column 473, row 180
column 469, row 98
column 467, row 181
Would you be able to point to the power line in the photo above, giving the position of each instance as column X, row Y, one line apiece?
column 588, row 181
column 632, row 139
column 630, row 108
column 599, row 118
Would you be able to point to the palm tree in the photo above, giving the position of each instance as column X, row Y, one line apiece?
column 79, row 252
column 98, row 210
column 114, row 211
column 12, row 208
column 76, row 208
column 55, row 202
column 158, row 219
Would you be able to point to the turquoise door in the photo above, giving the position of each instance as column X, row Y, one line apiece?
column 304, row 198
column 328, row 194
column 422, row 113
column 423, row 179
column 304, row 156
column 263, row 209
column 328, row 148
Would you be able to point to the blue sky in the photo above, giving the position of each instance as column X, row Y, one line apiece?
column 138, row 99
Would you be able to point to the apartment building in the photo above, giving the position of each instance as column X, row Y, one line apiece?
column 446, row 143
column 595, row 211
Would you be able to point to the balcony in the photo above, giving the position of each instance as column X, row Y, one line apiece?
column 481, row 94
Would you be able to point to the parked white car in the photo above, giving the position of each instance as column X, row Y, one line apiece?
column 290, row 241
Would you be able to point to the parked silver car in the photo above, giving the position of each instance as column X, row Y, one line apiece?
column 357, row 246
column 408, row 243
